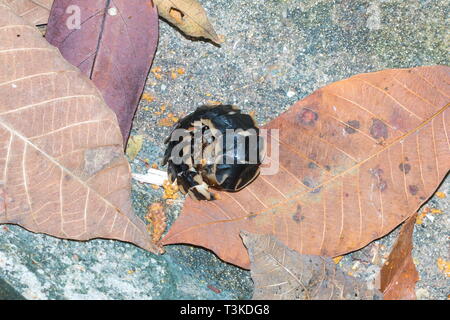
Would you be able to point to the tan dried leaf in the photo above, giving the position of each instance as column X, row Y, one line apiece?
column 62, row 167
column 189, row 16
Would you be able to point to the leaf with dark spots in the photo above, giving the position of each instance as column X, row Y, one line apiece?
column 62, row 167
column 378, row 129
column 312, row 165
column 352, row 126
column 307, row 117
column 398, row 276
column 404, row 167
column 413, row 189
column 297, row 216
column 357, row 192
column 114, row 46
column 280, row 273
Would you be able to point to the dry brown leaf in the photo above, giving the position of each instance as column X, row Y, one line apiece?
column 189, row 16
column 283, row 274
column 63, row 171
column 35, row 12
column 357, row 158
column 398, row 276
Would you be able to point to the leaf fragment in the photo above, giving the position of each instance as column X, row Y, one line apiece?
column 283, row 274
column 189, row 16
column 398, row 276
column 134, row 146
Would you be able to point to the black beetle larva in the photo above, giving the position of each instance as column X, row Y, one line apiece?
column 215, row 146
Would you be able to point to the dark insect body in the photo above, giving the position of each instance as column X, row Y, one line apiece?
column 215, row 146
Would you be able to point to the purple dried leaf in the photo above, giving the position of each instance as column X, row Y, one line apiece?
column 113, row 42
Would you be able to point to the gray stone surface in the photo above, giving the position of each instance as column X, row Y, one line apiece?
column 276, row 52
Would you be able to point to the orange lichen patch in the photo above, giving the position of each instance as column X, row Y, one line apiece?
column 162, row 109
column 337, row 259
column 181, row 71
column 157, row 219
column 157, row 72
column 173, row 75
column 154, row 166
column 436, row 211
column 165, row 122
column 213, row 102
column 156, row 69
column 155, row 187
column 441, row 195
column 170, row 190
column 173, row 118
column 216, row 196
column 148, row 97
column 444, row 266
column 422, row 215
column 420, row 218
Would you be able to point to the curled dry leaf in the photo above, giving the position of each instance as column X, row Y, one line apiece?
column 356, row 158
column 283, row 274
column 398, row 276
column 114, row 46
column 189, row 16
column 36, row 12
column 62, row 166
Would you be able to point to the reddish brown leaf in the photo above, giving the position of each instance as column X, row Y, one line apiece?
column 114, row 46
column 34, row 11
column 357, row 157
column 398, row 276
column 283, row 274
column 62, row 166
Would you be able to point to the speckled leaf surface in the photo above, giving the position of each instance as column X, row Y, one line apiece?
column 356, row 158
column 62, row 166
column 34, row 11
column 398, row 276
column 114, row 46
column 280, row 273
